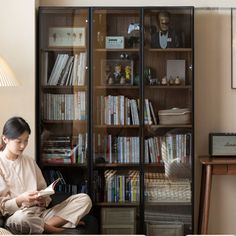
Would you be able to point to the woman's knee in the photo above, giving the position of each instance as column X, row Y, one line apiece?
column 86, row 199
column 82, row 199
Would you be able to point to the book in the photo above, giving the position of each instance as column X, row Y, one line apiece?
column 49, row 190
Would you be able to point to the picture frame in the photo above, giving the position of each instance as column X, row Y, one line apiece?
column 233, row 48
column 174, row 69
column 67, row 37
column 117, row 72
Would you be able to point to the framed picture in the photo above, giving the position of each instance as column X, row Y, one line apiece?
column 233, row 48
column 117, row 72
column 67, row 37
column 175, row 69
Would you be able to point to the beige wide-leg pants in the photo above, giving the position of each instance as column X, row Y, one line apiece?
column 31, row 220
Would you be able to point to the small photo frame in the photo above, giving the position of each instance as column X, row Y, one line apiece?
column 117, row 72
column 175, row 69
column 67, row 37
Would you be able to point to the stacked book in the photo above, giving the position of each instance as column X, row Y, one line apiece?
column 115, row 149
column 65, row 149
column 68, row 70
column 117, row 110
column 120, row 187
column 65, row 106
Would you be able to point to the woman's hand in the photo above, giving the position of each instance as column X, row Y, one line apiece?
column 41, row 201
column 27, row 197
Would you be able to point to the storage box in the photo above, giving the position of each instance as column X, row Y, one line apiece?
column 118, row 220
column 165, row 229
column 174, row 116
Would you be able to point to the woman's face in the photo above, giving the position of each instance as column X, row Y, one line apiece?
column 18, row 145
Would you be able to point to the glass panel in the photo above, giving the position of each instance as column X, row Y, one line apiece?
column 63, row 90
column 116, row 107
column 168, row 61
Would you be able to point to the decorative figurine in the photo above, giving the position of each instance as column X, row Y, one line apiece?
column 128, row 74
column 117, row 75
column 165, row 37
column 164, row 81
column 177, row 80
column 110, row 81
column 124, row 56
column 132, row 27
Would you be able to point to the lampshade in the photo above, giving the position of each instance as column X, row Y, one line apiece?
column 7, row 77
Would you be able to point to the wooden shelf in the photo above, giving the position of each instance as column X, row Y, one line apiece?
column 117, row 87
column 64, row 122
column 63, row 165
column 117, row 126
column 64, row 89
column 118, row 165
column 169, row 49
column 168, row 126
column 177, row 203
column 117, row 50
column 168, row 87
column 64, row 49
column 117, row 204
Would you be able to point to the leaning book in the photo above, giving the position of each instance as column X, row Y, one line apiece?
column 49, row 190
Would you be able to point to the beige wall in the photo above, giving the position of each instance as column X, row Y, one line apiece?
column 17, row 46
column 214, row 99
column 215, row 106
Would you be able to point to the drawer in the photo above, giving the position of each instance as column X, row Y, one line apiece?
column 165, row 229
column 118, row 216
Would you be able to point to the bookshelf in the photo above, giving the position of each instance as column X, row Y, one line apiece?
column 62, row 97
column 105, row 94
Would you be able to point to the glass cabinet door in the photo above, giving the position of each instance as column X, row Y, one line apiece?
column 62, row 97
column 116, row 116
column 168, row 126
column 115, row 113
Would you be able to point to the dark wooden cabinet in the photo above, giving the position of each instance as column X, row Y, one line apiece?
column 115, row 113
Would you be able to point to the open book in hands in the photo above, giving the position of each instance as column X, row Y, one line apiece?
column 49, row 190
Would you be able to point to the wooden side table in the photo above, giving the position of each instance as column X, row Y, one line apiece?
column 211, row 166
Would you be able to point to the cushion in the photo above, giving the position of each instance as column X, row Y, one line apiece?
column 1, row 220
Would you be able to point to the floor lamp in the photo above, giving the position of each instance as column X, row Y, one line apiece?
column 7, row 77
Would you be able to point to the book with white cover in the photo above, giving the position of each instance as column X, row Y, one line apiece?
column 49, row 190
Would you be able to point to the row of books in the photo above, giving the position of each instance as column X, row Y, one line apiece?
column 117, row 149
column 65, row 149
column 64, row 187
column 117, row 110
column 65, row 106
column 168, row 148
column 121, row 188
column 158, row 149
column 149, row 115
column 177, row 147
column 67, row 70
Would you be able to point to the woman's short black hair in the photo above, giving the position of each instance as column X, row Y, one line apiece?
column 15, row 127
